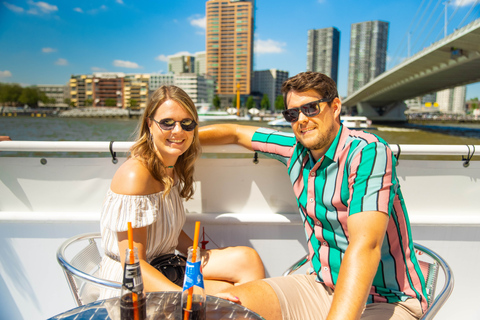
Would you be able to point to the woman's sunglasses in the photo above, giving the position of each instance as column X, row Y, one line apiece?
column 168, row 124
column 310, row 109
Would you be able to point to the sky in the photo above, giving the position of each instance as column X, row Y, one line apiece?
column 45, row 42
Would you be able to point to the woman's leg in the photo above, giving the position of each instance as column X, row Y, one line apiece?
column 230, row 266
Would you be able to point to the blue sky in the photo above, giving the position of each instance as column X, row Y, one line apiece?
column 44, row 42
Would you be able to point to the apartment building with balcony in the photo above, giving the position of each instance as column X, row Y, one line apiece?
column 229, row 44
column 135, row 90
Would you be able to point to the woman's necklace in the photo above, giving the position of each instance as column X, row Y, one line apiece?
column 169, row 167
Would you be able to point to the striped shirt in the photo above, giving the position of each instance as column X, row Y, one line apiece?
column 356, row 174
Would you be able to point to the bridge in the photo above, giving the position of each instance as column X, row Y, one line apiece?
column 450, row 62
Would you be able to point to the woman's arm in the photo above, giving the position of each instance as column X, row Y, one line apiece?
column 153, row 279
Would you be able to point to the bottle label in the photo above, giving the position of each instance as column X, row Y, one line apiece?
column 193, row 276
column 132, row 278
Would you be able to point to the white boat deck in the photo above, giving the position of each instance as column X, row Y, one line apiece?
column 238, row 203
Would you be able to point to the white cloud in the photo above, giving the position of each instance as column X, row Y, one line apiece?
column 13, row 7
column 61, row 62
column 165, row 58
column 199, row 22
column 268, row 46
column 126, row 64
column 119, row 1
column 162, row 57
column 463, row 3
column 78, row 10
column 49, row 50
column 5, row 74
column 95, row 11
column 181, row 53
column 41, row 7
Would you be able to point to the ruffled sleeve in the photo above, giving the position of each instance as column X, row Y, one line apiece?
column 119, row 209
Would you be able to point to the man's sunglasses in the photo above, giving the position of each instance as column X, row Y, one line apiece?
column 168, row 124
column 310, row 109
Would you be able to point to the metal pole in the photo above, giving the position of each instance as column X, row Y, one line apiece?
column 445, row 27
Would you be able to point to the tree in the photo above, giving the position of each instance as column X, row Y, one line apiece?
column 52, row 101
column 279, row 103
column 234, row 101
column 31, row 95
column 216, row 101
column 10, row 93
column 133, row 103
column 265, row 103
column 88, row 102
column 110, row 102
column 250, row 102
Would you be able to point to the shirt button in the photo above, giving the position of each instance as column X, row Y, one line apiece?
column 325, row 268
column 312, row 174
column 324, row 243
column 318, row 223
column 311, row 199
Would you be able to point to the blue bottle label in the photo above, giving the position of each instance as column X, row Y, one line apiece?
column 193, row 276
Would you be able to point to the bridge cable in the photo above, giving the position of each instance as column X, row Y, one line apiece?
column 396, row 55
column 426, row 24
column 431, row 30
column 468, row 13
column 439, row 36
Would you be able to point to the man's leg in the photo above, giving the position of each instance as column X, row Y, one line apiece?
column 408, row 310
column 296, row 297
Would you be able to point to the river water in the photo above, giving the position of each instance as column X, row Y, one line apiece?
column 103, row 129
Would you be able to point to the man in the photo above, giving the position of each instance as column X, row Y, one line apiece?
column 356, row 223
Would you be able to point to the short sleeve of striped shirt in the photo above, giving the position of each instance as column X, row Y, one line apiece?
column 372, row 181
column 274, row 144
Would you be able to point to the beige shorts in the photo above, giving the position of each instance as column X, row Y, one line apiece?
column 302, row 298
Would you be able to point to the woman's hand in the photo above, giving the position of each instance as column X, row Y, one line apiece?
column 228, row 296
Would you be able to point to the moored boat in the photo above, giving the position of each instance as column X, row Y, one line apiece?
column 46, row 199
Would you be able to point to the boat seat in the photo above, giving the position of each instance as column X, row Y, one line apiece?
column 80, row 259
column 430, row 262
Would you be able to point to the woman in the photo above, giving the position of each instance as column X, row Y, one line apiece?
column 147, row 190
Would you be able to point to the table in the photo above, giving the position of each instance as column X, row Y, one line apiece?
column 160, row 305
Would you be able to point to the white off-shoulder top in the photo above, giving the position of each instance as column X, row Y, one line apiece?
column 164, row 219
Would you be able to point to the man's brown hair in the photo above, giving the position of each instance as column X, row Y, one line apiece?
column 305, row 81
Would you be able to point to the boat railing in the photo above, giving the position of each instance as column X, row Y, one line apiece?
column 124, row 146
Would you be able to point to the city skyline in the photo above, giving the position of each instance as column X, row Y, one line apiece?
column 47, row 42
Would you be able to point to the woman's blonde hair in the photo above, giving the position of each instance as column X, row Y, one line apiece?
column 144, row 149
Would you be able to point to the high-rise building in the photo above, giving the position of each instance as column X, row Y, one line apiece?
column 200, row 63
column 452, row 100
column 198, row 88
column 368, row 53
column 322, row 51
column 269, row 82
column 230, row 44
column 181, row 63
column 157, row 80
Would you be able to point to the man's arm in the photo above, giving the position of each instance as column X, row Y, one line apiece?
column 359, row 265
column 227, row 134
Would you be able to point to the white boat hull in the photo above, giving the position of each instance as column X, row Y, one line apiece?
column 238, row 203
